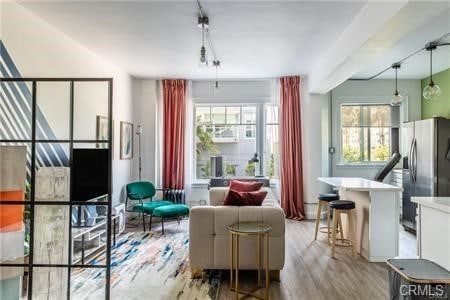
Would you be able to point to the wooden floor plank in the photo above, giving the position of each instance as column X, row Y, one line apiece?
column 311, row 273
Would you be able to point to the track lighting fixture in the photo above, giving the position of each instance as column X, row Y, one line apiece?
column 203, row 23
column 432, row 90
column 397, row 98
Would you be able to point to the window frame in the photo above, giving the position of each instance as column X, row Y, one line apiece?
column 362, row 162
column 260, row 131
column 265, row 125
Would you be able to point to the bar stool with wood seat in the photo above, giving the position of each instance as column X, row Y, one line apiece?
column 338, row 208
column 324, row 200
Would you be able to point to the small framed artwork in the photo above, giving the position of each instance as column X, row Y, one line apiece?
column 102, row 131
column 126, row 140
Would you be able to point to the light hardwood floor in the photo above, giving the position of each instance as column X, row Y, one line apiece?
column 311, row 273
column 407, row 244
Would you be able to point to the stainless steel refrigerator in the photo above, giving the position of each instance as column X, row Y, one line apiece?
column 426, row 165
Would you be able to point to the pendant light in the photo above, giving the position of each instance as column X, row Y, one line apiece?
column 397, row 98
column 216, row 64
column 203, row 23
column 432, row 90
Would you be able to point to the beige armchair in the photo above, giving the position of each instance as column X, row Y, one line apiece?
column 209, row 237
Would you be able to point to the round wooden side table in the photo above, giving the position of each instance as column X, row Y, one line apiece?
column 246, row 229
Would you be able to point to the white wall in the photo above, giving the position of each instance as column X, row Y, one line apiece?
column 232, row 91
column 373, row 91
column 314, row 142
column 145, row 93
column 40, row 50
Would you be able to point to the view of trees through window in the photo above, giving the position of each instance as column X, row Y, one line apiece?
column 271, row 143
column 232, row 132
column 365, row 133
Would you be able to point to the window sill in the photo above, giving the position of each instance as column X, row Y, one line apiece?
column 200, row 183
column 360, row 166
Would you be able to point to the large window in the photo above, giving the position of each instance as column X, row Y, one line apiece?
column 271, row 143
column 236, row 133
column 365, row 133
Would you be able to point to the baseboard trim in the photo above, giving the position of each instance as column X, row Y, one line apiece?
column 311, row 211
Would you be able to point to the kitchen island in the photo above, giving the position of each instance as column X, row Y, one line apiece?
column 376, row 213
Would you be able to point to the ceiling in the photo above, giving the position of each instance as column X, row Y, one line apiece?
column 417, row 66
column 253, row 39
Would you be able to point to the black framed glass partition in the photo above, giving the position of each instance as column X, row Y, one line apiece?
column 55, row 185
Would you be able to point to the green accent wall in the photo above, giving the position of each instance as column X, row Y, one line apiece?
column 441, row 105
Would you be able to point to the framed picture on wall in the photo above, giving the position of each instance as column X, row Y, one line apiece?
column 126, row 140
column 102, row 131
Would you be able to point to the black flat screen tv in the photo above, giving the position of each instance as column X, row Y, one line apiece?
column 90, row 169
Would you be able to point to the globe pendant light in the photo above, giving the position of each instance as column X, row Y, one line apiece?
column 397, row 98
column 432, row 90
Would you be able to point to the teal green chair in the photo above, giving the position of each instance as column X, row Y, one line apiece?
column 142, row 193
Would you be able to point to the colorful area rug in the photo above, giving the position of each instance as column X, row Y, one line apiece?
column 147, row 266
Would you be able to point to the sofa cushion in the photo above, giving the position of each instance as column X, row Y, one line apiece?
column 256, row 198
column 209, row 244
column 245, row 186
column 245, row 198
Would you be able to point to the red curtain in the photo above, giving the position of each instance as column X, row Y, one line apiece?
column 291, row 174
column 174, row 92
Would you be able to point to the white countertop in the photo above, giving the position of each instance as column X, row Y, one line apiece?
column 359, row 184
column 439, row 203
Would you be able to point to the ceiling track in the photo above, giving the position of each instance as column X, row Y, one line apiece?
column 431, row 45
column 208, row 34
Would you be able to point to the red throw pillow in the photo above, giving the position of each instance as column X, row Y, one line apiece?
column 256, row 198
column 235, row 198
column 245, row 186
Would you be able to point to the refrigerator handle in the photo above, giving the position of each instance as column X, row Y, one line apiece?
column 414, row 163
column 410, row 159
